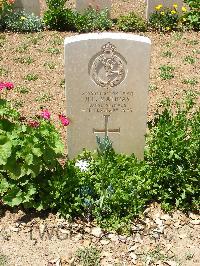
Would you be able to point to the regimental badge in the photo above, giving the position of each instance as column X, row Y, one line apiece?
column 108, row 67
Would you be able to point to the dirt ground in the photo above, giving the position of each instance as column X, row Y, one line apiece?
column 34, row 62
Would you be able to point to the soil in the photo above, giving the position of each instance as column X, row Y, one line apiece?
column 41, row 56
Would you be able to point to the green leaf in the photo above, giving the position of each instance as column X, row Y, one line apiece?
column 5, row 149
column 13, row 197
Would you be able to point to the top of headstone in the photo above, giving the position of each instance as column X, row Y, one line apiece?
column 107, row 35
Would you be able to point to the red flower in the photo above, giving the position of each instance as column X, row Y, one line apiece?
column 64, row 120
column 9, row 85
column 46, row 114
column 34, row 124
column 6, row 85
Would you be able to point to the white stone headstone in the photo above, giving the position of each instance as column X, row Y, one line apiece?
column 151, row 4
column 107, row 77
column 82, row 5
column 30, row 6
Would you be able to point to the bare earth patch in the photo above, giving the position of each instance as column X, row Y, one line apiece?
column 34, row 62
column 156, row 239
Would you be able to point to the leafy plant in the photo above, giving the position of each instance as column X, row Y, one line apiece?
column 57, row 17
column 28, row 149
column 92, row 20
column 131, row 22
column 164, row 19
column 20, row 21
column 104, row 186
column 173, row 152
column 6, row 8
column 192, row 17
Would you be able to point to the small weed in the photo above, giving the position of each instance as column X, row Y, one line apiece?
column 35, row 39
column 152, row 87
column 167, row 54
column 22, row 48
column 192, row 42
column 3, row 259
column 177, row 36
column 89, row 256
column 157, row 255
column 166, row 72
column 167, row 44
column 3, row 72
column 2, row 37
column 192, row 81
column 62, row 83
column 22, row 89
column 46, row 97
column 24, row 60
column 196, row 51
column 2, row 41
column 18, row 103
column 189, row 256
column 53, row 50
column 31, row 77
column 50, row 65
column 189, row 59
column 57, row 41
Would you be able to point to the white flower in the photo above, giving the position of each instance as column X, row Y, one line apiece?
column 82, row 165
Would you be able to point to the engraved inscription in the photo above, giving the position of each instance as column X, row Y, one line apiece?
column 108, row 67
column 108, row 101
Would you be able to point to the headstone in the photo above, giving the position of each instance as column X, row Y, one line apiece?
column 30, row 6
column 107, row 78
column 82, row 5
column 151, row 4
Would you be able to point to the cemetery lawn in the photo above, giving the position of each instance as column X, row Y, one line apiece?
column 34, row 63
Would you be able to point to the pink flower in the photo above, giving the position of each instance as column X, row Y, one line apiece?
column 9, row 85
column 34, row 124
column 46, row 114
column 6, row 85
column 64, row 120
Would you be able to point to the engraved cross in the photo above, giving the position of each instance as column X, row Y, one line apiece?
column 106, row 130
